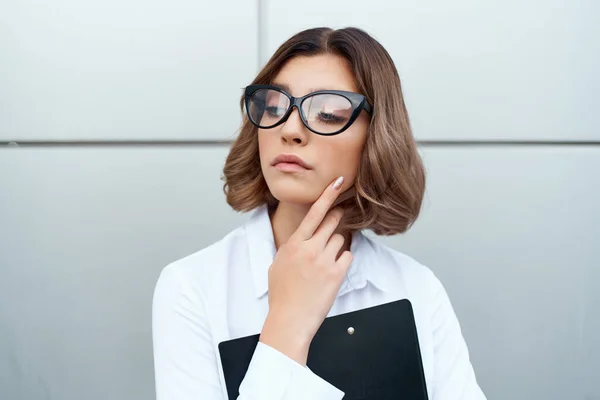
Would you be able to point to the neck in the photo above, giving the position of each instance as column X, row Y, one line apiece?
column 286, row 218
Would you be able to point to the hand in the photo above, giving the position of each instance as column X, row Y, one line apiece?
column 305, row 278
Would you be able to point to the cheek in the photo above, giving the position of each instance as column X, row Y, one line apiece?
column 344, row 156
column 349, row 161
column 264, row 143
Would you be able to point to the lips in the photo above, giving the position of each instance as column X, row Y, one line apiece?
column 290, row 160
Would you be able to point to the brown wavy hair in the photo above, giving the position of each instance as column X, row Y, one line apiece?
column 389, row 187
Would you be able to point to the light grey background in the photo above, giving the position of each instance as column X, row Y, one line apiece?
column 512, row 229
column 124, row 69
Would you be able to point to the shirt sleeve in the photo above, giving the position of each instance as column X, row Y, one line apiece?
column 186, row 362
column 453, row 377
column 273, row 376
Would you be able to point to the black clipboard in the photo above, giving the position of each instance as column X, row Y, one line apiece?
column 378, row 359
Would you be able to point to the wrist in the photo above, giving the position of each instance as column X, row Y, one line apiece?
column 286, row 339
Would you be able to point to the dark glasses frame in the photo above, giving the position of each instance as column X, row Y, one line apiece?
column 357, row 100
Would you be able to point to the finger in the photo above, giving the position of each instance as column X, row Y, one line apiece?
column 333, row 247
column 318, row 210
column 345, row 260
column 327, row 227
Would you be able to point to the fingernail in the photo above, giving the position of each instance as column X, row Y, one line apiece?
column 338, row 183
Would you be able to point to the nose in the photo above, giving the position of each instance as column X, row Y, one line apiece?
column 293, row 130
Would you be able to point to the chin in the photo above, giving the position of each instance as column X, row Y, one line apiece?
column 294, row 192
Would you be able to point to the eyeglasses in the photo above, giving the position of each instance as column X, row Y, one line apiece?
column 326, row 112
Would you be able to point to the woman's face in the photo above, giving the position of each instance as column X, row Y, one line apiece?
column 328, row 157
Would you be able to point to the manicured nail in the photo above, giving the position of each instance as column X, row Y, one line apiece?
column 338, row 183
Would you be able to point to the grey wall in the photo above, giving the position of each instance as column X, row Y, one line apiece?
column 114, row 123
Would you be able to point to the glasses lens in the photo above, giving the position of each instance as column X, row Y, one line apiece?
column 327, row 113
column 267, row 106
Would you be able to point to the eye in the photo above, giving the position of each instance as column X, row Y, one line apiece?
column 274, row 111
column 330, row 118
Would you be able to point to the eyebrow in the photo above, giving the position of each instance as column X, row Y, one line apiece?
column 281, row 86
column 287, row 88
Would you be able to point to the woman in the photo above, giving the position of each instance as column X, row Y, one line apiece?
column 325, row 152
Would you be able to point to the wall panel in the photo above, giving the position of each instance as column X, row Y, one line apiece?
column 472, row 70
column 512, row 233
column 124, row 70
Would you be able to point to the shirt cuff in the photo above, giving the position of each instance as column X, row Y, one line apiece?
column 274, row 376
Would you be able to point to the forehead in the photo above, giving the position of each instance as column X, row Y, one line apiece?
column 304, row 74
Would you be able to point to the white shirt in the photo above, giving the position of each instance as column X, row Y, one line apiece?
column 220, row 293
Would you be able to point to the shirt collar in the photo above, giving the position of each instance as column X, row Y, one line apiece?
column 365, row 266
